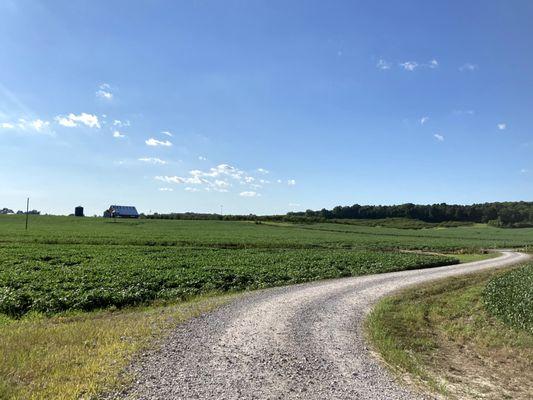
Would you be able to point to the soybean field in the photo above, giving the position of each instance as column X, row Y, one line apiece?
column 65, row 263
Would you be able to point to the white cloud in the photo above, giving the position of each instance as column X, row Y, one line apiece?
column 155, row 142
column 291, row 182
column 433, row 64
column 192, row 189
column 383, row 65
column 180, row 180
column 279, row 181
column 221, row 184
column 104, row 91
column 409, row 65
column 249, row 194
column 104, row 95
column 117, row 134
column 502, row 126
column 39, row 124
column 202, row 158
column 294, row 205
column 120, row 123
column 64, row 121
column 423, row 120
column 35, row 125
column 468, row 67
column 248, row 179
column 440, row 138
column 72, row 120
column 165, row 189
column 152, row 160
column 263, row 171
column 524, row 171
column 167, row 133
column 221, row 170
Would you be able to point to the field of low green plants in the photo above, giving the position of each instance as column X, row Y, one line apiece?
column 509, row 297
column 67, row 263
column 53, row 278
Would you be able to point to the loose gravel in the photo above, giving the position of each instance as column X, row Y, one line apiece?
column 296, row 342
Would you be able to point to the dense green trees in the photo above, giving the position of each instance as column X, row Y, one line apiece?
column 505, row 214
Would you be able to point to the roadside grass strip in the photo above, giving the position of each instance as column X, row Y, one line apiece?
column 82, row 355
column 441, row 337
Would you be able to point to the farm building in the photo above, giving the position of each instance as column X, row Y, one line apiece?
column 78, row 211
column 121, row 212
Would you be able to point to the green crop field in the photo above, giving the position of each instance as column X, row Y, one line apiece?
column 66, row 263
column 510, row 297
column 66, row 285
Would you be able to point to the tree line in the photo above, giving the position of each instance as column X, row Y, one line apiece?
column 502, row 214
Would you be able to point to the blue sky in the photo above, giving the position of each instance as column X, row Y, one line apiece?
column 264, row 106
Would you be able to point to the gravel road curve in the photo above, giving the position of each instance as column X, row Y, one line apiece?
column 296, row 342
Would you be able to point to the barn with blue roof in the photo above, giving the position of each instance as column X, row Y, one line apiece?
column 121, row 212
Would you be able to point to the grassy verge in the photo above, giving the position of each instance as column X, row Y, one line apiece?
column 441, row 337
column 80, row 355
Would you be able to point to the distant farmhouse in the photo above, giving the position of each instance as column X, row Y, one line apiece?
column 6, row 211
column 121, row 212
column 78, row 211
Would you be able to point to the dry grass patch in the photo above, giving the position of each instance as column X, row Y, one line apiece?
column 440, row 337
column 79, row 356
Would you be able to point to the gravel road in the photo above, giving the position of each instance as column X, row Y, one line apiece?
column 296, row 342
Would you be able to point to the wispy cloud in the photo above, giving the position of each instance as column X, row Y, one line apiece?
column 423, row 120
column 219, row 178
column 152, row 160
column 383, row 65
column 414, row 65
column 294, row 205
column 167, row 133
column 409, row 65
column 29, row 126
column 192, row 189
column 117, row 134
column 179, row 180
column 439, row 137
column 464, row 112
column 502, row 126
column 73, row 120
column 524, row 171
column 263, row 171
column 165, row 189
column 468, row 67
column 118, row 122
column 104, row 92
column 202, row 158
column 433, row 64
column 155, row 142
column 249, row 194
column 291, row 182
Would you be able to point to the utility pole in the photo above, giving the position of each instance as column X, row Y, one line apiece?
column 221, row 208
column 27, row 211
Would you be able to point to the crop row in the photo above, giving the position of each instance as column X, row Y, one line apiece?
column 224, row 234
column 510, row 297
column 55, row 278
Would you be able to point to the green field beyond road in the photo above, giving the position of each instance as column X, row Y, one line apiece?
column 65, row 263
